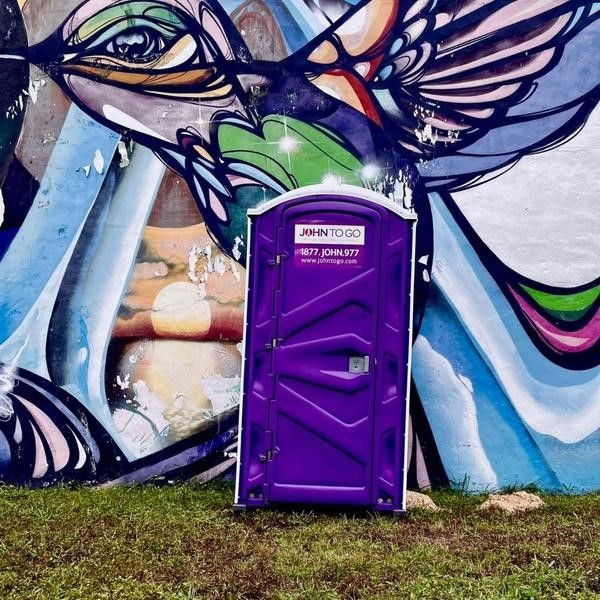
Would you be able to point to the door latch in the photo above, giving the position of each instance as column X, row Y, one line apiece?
column 358, row 364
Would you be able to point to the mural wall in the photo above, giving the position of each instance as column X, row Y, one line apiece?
column 134, row 135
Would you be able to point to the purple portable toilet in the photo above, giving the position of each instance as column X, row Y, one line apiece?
column 327, row 351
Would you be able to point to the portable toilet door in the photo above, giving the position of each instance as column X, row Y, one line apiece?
column 327, row 351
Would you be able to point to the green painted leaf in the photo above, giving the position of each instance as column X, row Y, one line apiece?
column 291, row 151
column 568, row 306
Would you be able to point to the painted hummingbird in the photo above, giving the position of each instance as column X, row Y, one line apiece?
column 374, row 88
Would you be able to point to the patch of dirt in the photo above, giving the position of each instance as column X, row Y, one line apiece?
column 512, row 503
column 422, row 501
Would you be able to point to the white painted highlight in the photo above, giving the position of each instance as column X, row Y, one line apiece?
column 287, row 144
column 116, row 115
column 370, row 171
column 464, row 453
column 541, row 218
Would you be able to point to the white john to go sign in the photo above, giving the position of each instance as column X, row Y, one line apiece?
column 309, row 233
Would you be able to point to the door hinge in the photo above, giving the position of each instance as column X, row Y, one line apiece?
column 268, row 455
column 273, row 344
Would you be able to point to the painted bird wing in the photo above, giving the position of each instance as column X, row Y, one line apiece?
column 47, row 436
column 441, row 74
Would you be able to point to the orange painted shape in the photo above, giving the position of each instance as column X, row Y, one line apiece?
column 366, row 31
column 349, row 89
column 324, row 54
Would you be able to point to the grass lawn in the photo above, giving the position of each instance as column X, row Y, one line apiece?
column 183, row 541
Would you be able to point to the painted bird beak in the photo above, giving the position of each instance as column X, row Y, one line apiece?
column 48, row 55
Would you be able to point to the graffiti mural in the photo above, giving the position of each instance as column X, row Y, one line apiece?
column 134, row 136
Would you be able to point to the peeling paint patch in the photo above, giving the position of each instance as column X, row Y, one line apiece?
column 144, row 429
column 138, row 353
column 426, row 134
column 402, row 189
column 238, row 242
column 33, row 89
column 201, row 264
column 399, row 184
column 16, row 108
column 122, row 148
column 150, row 270
column 123, row 383
column 48, row 138
column 98, row 162
column 219, row 264
column 223, row 392
column 193, row 256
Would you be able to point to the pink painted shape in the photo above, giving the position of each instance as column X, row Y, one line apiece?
column 565, row 341
column 59, row 446
column 40, row 468
column 500, row 53
column 518, row 12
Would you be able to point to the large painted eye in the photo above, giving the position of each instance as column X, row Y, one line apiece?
column 137, row 32
column 140, row 44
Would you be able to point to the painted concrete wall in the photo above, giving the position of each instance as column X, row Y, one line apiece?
column 135, row 134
